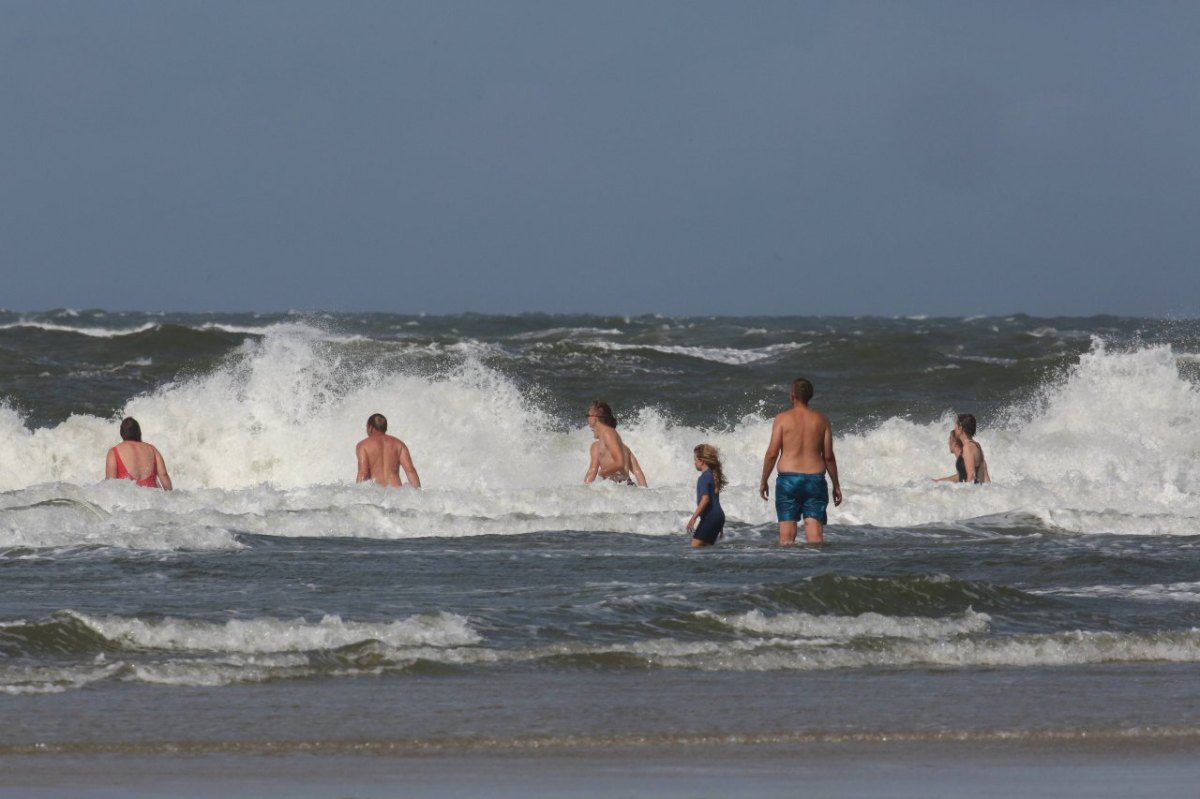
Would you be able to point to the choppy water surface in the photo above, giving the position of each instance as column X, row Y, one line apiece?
column 303, row 607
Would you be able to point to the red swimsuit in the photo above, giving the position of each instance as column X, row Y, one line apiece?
column 150, row 481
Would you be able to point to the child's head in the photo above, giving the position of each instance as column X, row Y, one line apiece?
column 956, row 448
column 706, row 456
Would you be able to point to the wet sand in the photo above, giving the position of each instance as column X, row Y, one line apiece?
column 1114, row 766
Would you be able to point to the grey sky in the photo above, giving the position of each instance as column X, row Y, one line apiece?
column 613, row 157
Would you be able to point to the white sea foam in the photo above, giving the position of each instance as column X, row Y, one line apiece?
column 1065, row 649
column 271, row 635
column 264, row 444
column 566, row 332
column 726, row 355
column 17, row 679
column 186, row 652
column 1171, row 592
column 94, row 332
column 872, row 625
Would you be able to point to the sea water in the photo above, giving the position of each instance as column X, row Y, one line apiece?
column 272, row 603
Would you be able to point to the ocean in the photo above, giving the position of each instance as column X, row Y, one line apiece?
column 270, row 605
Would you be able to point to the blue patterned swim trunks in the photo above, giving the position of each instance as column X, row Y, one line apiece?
column 799, row 495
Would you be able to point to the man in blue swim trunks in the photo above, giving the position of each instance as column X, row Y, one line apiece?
column 802, row 448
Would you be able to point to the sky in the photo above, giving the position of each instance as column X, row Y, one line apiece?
column 883, row 158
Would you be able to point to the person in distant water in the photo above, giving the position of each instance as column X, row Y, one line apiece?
column 610, row 458
column 960, row 468
column 802, row 447
column 381, row 457
column 708, row 497
column 973, row 461
column 134, row 459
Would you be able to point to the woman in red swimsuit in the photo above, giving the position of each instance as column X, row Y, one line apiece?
column 133, row 457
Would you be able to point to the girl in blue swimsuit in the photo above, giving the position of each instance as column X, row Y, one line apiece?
column 708, row 497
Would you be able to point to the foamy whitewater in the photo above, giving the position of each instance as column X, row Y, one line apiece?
column 270, row 569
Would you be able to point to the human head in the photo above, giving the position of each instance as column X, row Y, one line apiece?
column 601, row 412
column 130, row 429
column 956, row 447
column 966, row 423
column 802, row 389
column 377, row 422
column 707, row 455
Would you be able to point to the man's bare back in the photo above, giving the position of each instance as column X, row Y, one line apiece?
column 604, row 464
column 381, row 457
column 802, row 440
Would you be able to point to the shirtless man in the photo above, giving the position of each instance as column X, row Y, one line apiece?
column 380, row 456
column 972, row 454
column 606, row 464
column 802, row 447
column 134, row 457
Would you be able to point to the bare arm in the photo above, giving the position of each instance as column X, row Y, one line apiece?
column 110, row 466
column 364, row 464
column 410, row 471
column 594, row 464
column 831, row 466
column 160, row 468
column 771, row 458
column 635, row 468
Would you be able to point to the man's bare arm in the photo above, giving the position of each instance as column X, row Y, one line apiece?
column 636, row 469
column 831, row 465
column 364, row 464
column 593, row 464
column 410, row 471
column 771, row 458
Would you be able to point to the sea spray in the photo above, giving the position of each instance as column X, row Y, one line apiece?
column 1109, row 444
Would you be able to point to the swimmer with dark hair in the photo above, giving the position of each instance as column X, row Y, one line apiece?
column 136, row 460
column 381, row 457
column 973, row 460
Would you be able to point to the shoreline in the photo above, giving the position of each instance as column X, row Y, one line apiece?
column 566, row 745
column 1086, row 765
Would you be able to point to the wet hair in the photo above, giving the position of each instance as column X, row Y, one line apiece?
column 707, row 454
column 130, row 429
column 605, row 412
column 967, row 422
column 377, row 421
column 802, row 389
